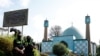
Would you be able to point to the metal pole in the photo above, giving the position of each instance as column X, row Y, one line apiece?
column 22, row 30
column 2, row 33
column 8, row 30
column 99, row 42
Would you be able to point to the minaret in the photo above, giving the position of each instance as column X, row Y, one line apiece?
column 45, row 30
column 87, row 22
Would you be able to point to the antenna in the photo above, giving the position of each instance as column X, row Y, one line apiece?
column 87, row 14
column 46, row 18
column 72, row 23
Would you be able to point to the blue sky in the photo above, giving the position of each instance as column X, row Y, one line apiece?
column 58, row 12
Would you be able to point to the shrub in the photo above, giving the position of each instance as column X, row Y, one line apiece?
column 44, row 54
column 90, row 54
column 6, row 45
column 59, row 49
column 2, row 53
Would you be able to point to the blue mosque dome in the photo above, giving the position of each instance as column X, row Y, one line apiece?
column 72, row 31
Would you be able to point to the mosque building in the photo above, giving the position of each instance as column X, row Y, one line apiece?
column 78, row 45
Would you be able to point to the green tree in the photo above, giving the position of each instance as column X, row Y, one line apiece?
column 59, row 49
column 44, row 54
column 98, row 50
column 6, row 45
column 2, row 53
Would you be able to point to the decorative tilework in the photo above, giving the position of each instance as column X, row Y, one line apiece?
column 47, row 47
column 81, row 46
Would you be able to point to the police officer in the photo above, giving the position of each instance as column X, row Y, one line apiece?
column 18, row 48
column 28, row 46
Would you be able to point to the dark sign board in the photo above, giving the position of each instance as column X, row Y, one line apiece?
column 15, row 18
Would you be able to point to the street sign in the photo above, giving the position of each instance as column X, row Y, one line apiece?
column 15, row 18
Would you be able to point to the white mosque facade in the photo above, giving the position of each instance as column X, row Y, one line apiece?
column 77, row 45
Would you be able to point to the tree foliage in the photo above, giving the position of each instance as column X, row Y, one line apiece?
column 44, row 54
column 55, row 31
column 2, row 53
column 6, row 44
column 59, row 49
column 98, row 50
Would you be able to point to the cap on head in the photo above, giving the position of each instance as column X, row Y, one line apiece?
column 15, row 30
column 28, row 38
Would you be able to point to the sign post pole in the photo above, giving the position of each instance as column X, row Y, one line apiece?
column 8, row 31
column 99, row 42
column 2, row 33
column 22, row 30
